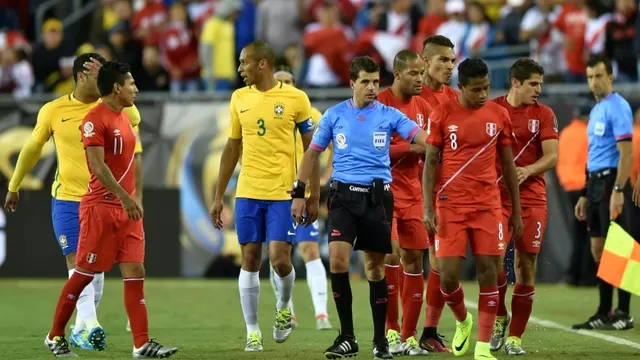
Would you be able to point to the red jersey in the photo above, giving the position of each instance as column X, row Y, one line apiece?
column 112, row 131
column 179, row 49
column 406, row 168
column 531, row 125
column 468, row 139
column 152, row 16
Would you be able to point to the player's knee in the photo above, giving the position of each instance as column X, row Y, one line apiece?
column 339, row 262
column 374, row 270
column 449, row 282
column 310, row 251
column 251, row 258
column 486, row 271
column 281, row 265
column 412, row 261
column 132, row 270
column 71, row 261
column 392, row 259
column 433, row 260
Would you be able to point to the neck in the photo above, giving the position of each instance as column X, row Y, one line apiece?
column 604, row 95
column 464, row 102
column 432, row 84
column 396, row 90
column 83, row 97
column 360, row 104
column 266, row 83
column 112, row 103
column 512, row 99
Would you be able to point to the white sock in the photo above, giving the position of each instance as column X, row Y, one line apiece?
column 98, row 287
column 274, row 286
column 249, row 285
column 317, row 281
column 86, row 315
column 285, row 289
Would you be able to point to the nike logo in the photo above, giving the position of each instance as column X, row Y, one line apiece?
column 459, row 348
column 313, row 233
column 244, row 110
column 65, row 120
column 291, row 233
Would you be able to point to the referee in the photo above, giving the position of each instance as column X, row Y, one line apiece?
column 608, row 194
column 360, row 201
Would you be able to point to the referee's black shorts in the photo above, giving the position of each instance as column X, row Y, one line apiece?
column 599, row 188
column 354, row 218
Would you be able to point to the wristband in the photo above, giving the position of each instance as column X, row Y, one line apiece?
column 299, row 188
column 583, row 192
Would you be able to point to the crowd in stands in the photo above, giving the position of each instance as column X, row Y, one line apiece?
column 193, row 45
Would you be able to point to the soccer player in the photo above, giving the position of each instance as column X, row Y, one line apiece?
column 467, row 133
column 60, row 119
column 264, row 116
column 409, row 238
column 360, row 198
column 439, row 61
column 535, row 145
column 308, row 239
column 110, row 218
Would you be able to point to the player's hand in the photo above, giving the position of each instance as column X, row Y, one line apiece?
column 581, row 209
column 515, row 225
column 92, row 68
column 297, row 210
column 636, row 193
column 311, row 207
column 216, row 214
column 133, row 209
column 615, row 204
column 11, row 201
column 430, row 220
column 523, row 174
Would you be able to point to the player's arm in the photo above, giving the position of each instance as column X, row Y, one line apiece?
column 549, row 137
column 434, row 142
column 622, row 119
column 306, row 126
column 509, row 171
column 328, row 170
column 138, row 160
column 230, row 154
column 319, row 143
column 408, row 129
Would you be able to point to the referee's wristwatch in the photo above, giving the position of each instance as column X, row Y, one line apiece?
column 618, row 188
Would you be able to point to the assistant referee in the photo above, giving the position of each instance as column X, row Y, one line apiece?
column 608, row 195
column 360, row 200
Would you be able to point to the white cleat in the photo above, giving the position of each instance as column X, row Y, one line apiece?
column 322, row 323
column 411, row 348
column 395, row 343
column 254, row 342
column 153, row 350
column 58, row 346
column 283, row 325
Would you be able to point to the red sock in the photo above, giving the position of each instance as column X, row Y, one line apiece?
column 400, row 280
column 413, row 294
column 67, row 301
column 487, row 308
column 391, row 273
column 502, row 292
column 521, row 306
column 136, row 310
column 435, row 300
column 455, row 300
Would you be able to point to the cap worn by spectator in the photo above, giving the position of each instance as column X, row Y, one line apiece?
column 52, row 25
column 454, row 7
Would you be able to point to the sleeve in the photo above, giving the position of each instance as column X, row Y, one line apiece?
column 303, row 116
column 93, row 130
column 138, row 149
column 548, row 125
column 621, row 121
column 505, row 138
column 434, row 129
column 400, row 123
column 42, row 130
column 324, row 132
column 134, row 117
column 235, row 128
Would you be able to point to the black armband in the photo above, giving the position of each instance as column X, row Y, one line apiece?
column 299, row 188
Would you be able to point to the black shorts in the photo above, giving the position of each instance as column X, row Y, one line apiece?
column 354, row 218
column 599, row 189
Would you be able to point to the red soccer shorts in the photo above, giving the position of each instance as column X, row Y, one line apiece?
column 407, row 227
column 534, row 220
column 107, row 237
column 457, row 227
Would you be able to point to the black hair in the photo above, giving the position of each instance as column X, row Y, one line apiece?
column 110, row 73
column 471, row 68
column 524, row 68
column 435, row 41
column 594, row 60
column 402, row 59
column 362, row 63
column 262, row 50
column 78, row 63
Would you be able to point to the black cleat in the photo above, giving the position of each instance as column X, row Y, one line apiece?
column 154, row 350
column 381, row 350
column 596, row 322
column 343, row 347
column 621, row 320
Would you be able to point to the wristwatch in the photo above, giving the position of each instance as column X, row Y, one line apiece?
column 618, row 188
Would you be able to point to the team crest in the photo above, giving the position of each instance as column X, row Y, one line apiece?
column 63, row 241
column 420, row 120
column 91, row 258
column 278, row 110
column 491, row 128
column 534, row 126
column 88, row 129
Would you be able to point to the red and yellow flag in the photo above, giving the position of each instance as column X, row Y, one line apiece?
column 620, row 263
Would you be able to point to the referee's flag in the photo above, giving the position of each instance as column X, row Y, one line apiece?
column 620, row 263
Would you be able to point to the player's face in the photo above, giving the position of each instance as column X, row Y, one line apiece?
column 476, row 92
column 530, row 90
column 440, row 65
column 127, row 93
column 366, row 87
column 250, row 67
column 600, row 83
column 285, row 78
column 411, row 78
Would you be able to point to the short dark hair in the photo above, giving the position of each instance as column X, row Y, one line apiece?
column 523, row 68
column 262, row 50
column 471, row 68
column 402, row 59
column 78, row 63
column 362, row 63
column 436, row 40
column 110, row 73
column 594, row 60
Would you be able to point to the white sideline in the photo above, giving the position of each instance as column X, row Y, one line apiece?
column 554, row 325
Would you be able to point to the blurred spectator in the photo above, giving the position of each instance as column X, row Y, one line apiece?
column 396, row 29
column 199, row 12
column 599, row 15
column 16, row 74
column 620, row 35
column 152, row 77
column 279, row 23
column 103, row 19
column 327, row 44
column 245, row 34
column 217, row 46
column 436, row 15
column 455, row 27
column 294, row 59
column 572, row 22
column 123, row 47
column 636, row 148
column 147, row 22
column 545, row 41
column 179, row 49
column 14, row 39
column 477, row 34
column 508, row 29
column 51, row 58
column 346, row 11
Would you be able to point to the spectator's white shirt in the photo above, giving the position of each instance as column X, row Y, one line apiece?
column 596, row 33
column 546, row 46
column 319, row 72
column 21, row 74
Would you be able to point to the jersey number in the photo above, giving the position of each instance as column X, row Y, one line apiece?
column 538, row 230
column 500, row 232
column 454, row 141
column 117, row 145
column 261, row 128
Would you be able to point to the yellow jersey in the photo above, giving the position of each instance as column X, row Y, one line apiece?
column 267, row 123
column 60, row 119
column 315, row 116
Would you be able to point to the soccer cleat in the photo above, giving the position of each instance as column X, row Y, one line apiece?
column 97, row 338
column 434, row 344
column 461, row 339
column 621, row 320
column 499, row 332
column 513, row 346
column 596, row 322
column 395, row 342
column 343, row 347
column 58, row 346
column 80, row 339
column 128, row 328
column 411, row 348
column 483, row 351
column 322, row 323
column 294, row 321
column 153, row 350
column 254, row 342
column 282, row 326
column 381, row 350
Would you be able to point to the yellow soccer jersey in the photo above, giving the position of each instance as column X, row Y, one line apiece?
column 267, row 123
column 61, row 119
column 315, row 116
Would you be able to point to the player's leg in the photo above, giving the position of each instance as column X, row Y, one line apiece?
column 274, row 284
column 392, row 276
column 503, row 318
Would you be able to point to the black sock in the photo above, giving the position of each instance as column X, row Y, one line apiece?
column 624, row 301
column 429, row 332
column 378, row 297
column 341, row 288
column 606, row 297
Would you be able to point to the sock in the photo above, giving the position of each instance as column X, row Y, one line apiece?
column 413, row 294
column 98, row 287
column 86, row 317
column 274, row 287
column 317, row 281
column 67, row 301
column 249, row 285
column 378, row 298
column 487, row 308
column 400, row 279
column 136, row 308
column 624, row 301
column 285, row 289
column 455, row 300
column 606, row 296
column 521, row 306
column 435, row 301
column 79, row 325
column 502, row 293
column 391, row 273
column 341, row 287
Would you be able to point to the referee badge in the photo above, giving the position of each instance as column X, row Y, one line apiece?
column 379, row 140
column 534, row 125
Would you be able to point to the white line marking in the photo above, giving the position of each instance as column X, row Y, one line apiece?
column 555, row 325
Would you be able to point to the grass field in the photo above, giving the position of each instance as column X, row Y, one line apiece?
column 203, row 318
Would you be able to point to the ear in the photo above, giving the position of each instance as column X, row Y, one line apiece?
column 352, row 84
column 460, row 86
column 116, row 88
column 396, row 74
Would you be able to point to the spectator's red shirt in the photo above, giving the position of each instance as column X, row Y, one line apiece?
column 180, row 50
column 572, row 21
column 152, row 16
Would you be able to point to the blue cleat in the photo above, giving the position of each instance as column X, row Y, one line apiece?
column 80, row 340
column 97, row 338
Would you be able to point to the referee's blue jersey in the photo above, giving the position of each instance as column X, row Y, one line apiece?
column 610, row 121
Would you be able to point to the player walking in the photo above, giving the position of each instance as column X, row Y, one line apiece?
column 535, row 131
column 408, row 235
column 60, row 119
column 468, row 132
column 110, row 218
column 264, row 116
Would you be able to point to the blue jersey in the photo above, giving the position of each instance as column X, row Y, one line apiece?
column 610, row 121
column 361, row 139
